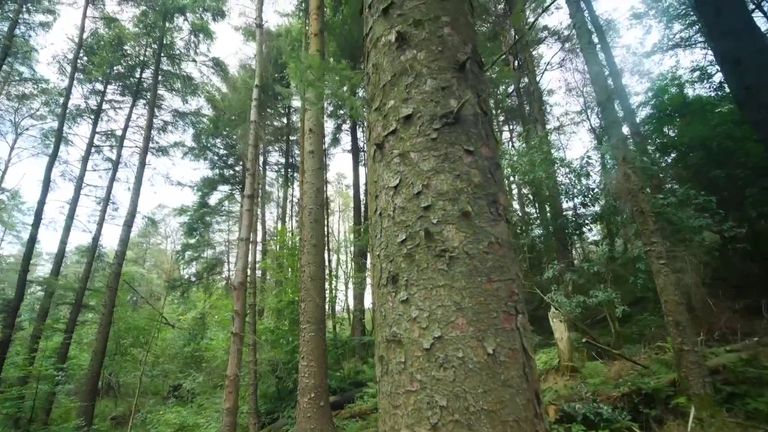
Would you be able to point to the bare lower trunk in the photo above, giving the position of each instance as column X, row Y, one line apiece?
column 62, row 352
column 741, row 50
column 692, row 372
column 8, row 159
column 536, row 136
column 313, row 411
column 13, row 306
column 90, row 385
column 253, row 287
column 329, row 254
column 248, row 209
column 257, row 287
column 360, row 244
column 286, row 180
column 58, row 260
column 451, row 345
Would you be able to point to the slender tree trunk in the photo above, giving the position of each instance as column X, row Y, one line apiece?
column 336, row 269
column 452, row 353
column 692, row 372
column 286, row 181
column 620, row 90
column 741, row 50
column 247, row 217
column 366, row 229
column 360, row 244
column 253, row 286
column 536, row 135
column 14, row 305
column 257, row 287
column 8, row 159
column 263, row 223
column 313, row 412
column 77, row 304
column 10, row 32
column 143, row 365
column 58, row 259
column 91, row 381
column 330, row 282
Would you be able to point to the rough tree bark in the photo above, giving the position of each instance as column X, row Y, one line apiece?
column 313, row 411
column 90, row 385
column 451, row 345
column 13, row 306
column 359, row 243
column 62, row 353
column 741, row 50
column 692, row 372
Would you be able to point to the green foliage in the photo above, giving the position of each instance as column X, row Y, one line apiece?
column 546, row 359
column 592, row 416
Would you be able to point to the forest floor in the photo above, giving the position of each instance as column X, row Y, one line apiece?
column 609, row 394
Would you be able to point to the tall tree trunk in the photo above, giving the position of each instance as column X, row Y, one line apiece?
column 286, row 181
column 330, row 281
column 620, row 90
column 62, row 352
column 10, row 32
column 58, row 260
column 536, row 135
column 359, row 242
column 334, row 301
column 8, row 159
column 247, row 218
column 263, row 223
column 91, row 381
column 451, row 344
column 741, row 50
column 14, row 305
column 257, row 287
column 313, row 412
column 692, row 372
column 253, row 287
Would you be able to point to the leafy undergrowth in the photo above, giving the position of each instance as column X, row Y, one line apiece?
column 618, row 396
column 614, row 396
column 361, row 416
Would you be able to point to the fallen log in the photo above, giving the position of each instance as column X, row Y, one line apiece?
column 356, row 412
column 337, row 402
column 276, row 426
column 614, row 352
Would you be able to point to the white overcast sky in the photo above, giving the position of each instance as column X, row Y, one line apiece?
column 158, row 190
